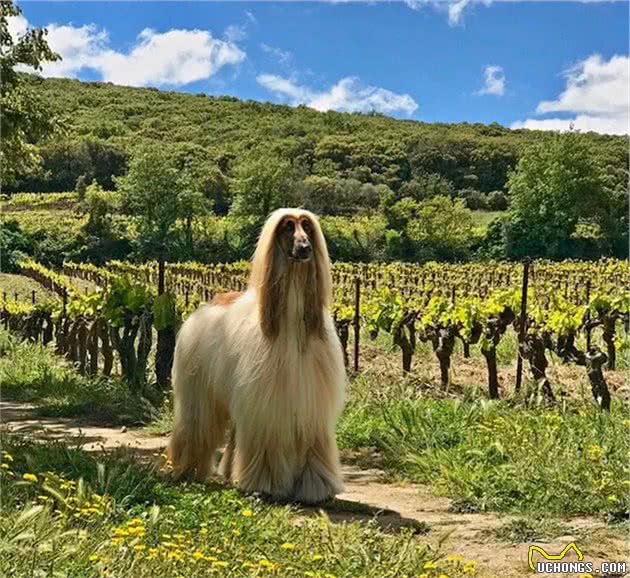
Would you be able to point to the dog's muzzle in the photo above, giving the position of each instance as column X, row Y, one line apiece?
column 302, row 252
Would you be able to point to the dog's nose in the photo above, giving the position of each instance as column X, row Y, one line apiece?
column 303, row 251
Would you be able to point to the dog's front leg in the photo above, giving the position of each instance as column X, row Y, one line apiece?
column 320, row 478
column 265, row 469
column 227, row 459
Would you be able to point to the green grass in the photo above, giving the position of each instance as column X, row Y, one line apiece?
column 523, row 530
column 65, row 512
column 484, row 218
column 498, row 456
column 23, row 287
column 501, row 456
column 32, row 373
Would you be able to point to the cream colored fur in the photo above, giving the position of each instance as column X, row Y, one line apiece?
column 279, row 393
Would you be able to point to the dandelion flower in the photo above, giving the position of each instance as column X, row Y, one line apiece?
column 247, row 513
column 29, row 477
column 288, row 546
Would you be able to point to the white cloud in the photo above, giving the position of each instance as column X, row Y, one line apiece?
column 176, row 57
column 17, row 25
column 347, row 95
column 582, row 122
column 79, row 47
column 594, row 86
column 455, row 8
column 597, row 94
column 283, row 56
column 235, row 33
column 173, row 58
column 494, row 81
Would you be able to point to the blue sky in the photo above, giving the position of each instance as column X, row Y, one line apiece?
column 541, row 64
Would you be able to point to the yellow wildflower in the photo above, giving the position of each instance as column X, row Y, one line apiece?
column 247, row 513
column 29, row 477
column 594, row 452
column 288, row 546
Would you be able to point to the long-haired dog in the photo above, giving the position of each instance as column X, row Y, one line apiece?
column 266, row 365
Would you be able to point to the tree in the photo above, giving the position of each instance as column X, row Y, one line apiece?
column 425, row 186
column 436, row 229
column 99, row 206
column 263, row 184
column 557, row 185
column 156, row 194
column 443, row 227
column 25, row 118
column 202, row 184
column 102, row 237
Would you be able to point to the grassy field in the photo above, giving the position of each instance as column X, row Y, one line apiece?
column 30, row 372
column 484, row 218
column 500, row 456
column 69, row 513
column 493, row 456
column 23, row 286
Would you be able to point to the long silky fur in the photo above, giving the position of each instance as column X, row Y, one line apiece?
column 269, row 366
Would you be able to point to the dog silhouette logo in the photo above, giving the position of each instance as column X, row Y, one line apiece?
column 546, row 556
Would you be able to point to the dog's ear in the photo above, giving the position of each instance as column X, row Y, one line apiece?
column 268, row 266
column 270, row 292
column 318, row 289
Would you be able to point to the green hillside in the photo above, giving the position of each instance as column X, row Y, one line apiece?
column 352, row 149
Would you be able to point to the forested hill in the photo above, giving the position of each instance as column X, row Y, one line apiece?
column 413, row 158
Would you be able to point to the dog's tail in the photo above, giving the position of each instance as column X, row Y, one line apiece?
column 200, row 421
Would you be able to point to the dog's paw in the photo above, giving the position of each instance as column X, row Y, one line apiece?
column 313, row 488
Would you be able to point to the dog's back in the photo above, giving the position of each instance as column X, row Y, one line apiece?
column 225, row 298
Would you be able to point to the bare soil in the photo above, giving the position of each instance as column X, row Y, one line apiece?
column 369, row 495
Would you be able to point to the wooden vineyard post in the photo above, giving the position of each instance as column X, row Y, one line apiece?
column 65, row 302
column 33, row 297
column 165, row 339
column 588, row 315
column 357, row 323
column 522, row 329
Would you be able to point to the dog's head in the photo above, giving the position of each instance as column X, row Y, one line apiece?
column 291, row 244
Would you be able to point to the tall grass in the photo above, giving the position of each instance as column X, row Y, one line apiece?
column 30, row 372
column 497, row 456
column 68, row 513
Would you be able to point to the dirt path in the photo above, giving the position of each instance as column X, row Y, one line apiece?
column 369, row 495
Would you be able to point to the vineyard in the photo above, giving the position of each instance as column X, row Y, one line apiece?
column 577, row 311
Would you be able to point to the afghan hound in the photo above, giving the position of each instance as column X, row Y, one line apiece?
column 267, row 366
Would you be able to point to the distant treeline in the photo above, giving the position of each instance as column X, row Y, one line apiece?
column 338, row 162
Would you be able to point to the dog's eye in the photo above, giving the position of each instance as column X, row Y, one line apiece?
column 306, row 225
column 289, row 226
